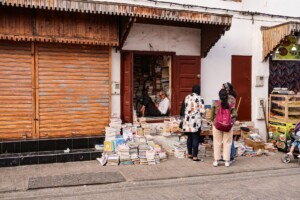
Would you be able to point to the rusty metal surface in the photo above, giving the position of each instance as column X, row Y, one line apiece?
column 73, row 90
column 16, row 99
column 123, row 9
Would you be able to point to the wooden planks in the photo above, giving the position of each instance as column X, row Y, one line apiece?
column 73, row 90
column 20, row 24
column 16, row 97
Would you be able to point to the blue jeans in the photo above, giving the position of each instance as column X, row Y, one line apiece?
column 296, row 144
column 192, row 143
column 233, row 152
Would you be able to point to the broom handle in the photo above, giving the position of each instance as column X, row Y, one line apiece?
column 238, row 106
column 266, row 122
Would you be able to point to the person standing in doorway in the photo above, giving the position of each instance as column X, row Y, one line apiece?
column 193, row 113
column 222, row 137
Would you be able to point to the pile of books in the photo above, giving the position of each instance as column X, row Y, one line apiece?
column 133, row 152
column 111, row 133
column 142, row 154
column 166, row 129
column 162, row 156
column 180, row 149
column 150, row 156
column 115, row 121
column 179, row 152
column 140, row 139
column 206, row 150
column 123, row 152
column 113, row 159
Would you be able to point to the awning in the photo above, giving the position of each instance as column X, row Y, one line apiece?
column 212, row 25
column 273, row 35
column 113, row 8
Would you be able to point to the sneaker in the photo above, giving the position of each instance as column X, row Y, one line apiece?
column 215, row 163
column 298, row 156
column 227, row 164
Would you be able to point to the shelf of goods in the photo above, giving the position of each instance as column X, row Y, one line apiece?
column 284, row 114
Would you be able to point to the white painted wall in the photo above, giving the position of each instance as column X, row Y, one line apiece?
column 244, row 38
column 115, row 76
column 183, row 41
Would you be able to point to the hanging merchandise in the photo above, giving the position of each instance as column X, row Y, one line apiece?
column 288, row 49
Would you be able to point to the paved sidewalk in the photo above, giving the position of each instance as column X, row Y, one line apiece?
column 17, row 178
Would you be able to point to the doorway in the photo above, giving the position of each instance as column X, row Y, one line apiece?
column 154, row 71
column 241, row 81
column 151, row 74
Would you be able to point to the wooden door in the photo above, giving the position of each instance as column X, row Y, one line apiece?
column 241, row 81
column 126, row 86
column 185, row 74
column 73, row 90
column 16, row 90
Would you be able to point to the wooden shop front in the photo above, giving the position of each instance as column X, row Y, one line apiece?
column 54, row 73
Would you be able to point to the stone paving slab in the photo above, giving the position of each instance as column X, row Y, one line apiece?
column 75, row 179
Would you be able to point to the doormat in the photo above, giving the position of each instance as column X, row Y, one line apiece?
column 75, row 180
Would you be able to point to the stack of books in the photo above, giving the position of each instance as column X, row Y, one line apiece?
column 113, row 159
column 180, row 152
column 162, row 156
column 150, row 155
column 133, row 152
column 110, row 133
column 166, row 129
column 127, row 133
column 157, row 159
column 123, row 152
column 142, row 154
column 202, row 151
column 140, row 139
column 115, row 121
column 135, row 158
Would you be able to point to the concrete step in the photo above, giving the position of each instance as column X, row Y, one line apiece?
column 28, row 152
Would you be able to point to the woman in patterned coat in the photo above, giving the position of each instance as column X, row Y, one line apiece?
column 193, row 112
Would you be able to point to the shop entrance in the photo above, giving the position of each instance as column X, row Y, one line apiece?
column 149, row 73
column 151, row 78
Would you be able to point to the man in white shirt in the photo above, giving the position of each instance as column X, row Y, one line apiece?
column 164, row 103
column 151, row 109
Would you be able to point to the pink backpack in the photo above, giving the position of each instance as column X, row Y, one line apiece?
column 223, row 120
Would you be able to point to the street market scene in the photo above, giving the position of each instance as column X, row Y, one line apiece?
column 149, row 99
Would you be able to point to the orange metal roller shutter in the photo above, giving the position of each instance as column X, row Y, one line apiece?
column 16, row 94
column 73, row 90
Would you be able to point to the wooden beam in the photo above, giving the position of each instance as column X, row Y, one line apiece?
column 126, row 31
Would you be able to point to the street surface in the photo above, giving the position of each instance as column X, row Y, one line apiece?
column 266, row 184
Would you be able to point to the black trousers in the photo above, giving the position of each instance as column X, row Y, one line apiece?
column 150, row 108
column 193, row 143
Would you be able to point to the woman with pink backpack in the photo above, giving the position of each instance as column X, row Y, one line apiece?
column 223, row 116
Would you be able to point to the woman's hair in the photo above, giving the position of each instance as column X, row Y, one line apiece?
column 223, row 95
column 196, row 89
column 229, row 89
